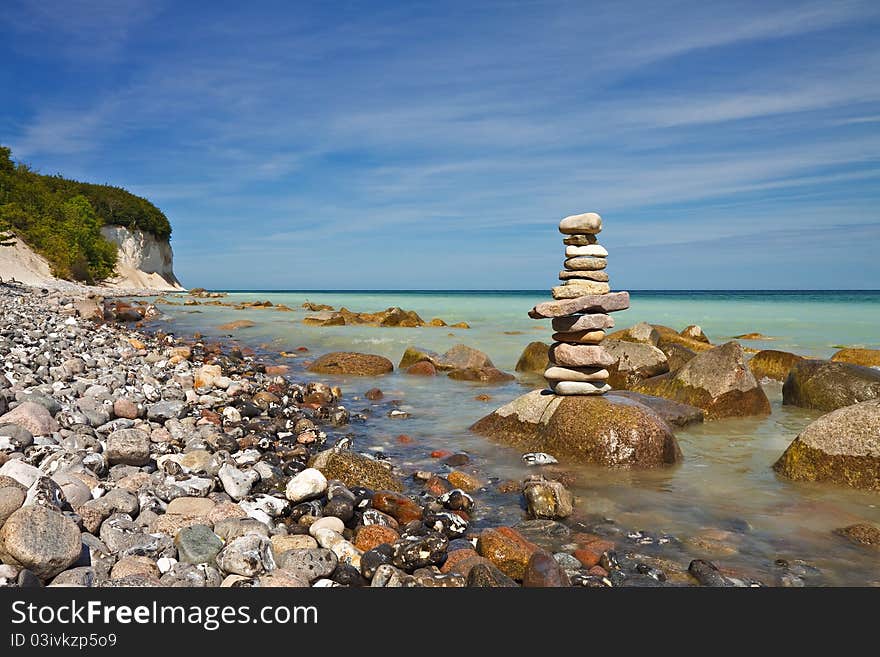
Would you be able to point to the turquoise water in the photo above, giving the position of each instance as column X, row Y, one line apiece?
column 725, row 487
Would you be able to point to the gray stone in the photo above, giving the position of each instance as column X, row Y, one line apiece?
column 166, row 410
column 594, row 304
column 128, row 447
column 16, row 438
column 197, row 544
column 248, row 556
column 309, row 564
column 22, row 472
column 41, row 540
column 237, row 483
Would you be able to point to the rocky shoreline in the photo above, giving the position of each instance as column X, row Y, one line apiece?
column 130, row 459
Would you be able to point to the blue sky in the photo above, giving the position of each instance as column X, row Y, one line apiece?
column 437, row 144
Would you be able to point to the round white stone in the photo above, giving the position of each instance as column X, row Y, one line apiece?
column 305, row 485
column 327, row 522
column 578, row 388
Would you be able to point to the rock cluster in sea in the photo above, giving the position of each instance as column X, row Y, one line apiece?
column 578, row 362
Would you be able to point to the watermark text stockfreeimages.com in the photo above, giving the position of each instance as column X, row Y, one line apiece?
column 209, row 617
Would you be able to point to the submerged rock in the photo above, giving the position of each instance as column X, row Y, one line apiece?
column 352, row 469
column 610, row 431
column 842, row 447
column 861, row 534
column 716, row 381
column 352, row 363
column 826, row 385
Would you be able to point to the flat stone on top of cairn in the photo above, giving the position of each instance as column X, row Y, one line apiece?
column 578, row 361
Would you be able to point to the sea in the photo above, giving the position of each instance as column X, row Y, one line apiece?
column 723, row 503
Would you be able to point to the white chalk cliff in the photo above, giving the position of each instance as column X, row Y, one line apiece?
column 144, row 263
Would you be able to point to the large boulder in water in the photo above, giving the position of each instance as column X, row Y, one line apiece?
column 459, row 357
column 352, row 363
column 866, row 357
column 772, row 364
column 842, row 447
column 825, row 385
column 634, row 362
column 534, row 358
column 717, row 381
column 606, row 430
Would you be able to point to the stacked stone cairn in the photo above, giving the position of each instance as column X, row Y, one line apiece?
column 578, row 361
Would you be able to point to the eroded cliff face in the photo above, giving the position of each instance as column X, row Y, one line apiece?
column 144, row 261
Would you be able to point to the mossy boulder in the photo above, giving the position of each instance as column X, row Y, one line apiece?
column 841, row 447
column 642, row 333
column 669, row 335
column 459, row 357
column 677, row 355
column 634, row 362
column 716, row 381
column 675, row 413
column 865, row 357
column 352, row 363
column 355, row 470
column 826, row 385
column 605, row 430
column 772, row 364
column 534, row 358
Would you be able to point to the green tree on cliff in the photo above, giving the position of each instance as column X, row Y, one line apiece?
column 61, row 219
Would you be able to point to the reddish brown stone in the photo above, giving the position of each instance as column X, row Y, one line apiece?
column 543, row 571
column 507, row 549
column 277, row 370
column 437, row 485
column 373, row 535
column 587, row 557
column 398, row 506
column 439, row 454
column 422, row 368
column 403, row 439
column 374, row 394
column 464, row 481
column 593, row 542
column 461, row 561
column 599, row 571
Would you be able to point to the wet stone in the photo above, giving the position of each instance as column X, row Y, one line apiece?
column 419, row 551
column 544, row 571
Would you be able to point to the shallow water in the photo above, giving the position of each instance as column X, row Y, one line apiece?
column 723, row 502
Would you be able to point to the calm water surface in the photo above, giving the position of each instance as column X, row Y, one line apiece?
column 723, row 502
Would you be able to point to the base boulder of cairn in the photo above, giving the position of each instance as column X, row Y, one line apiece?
column 612, row 431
